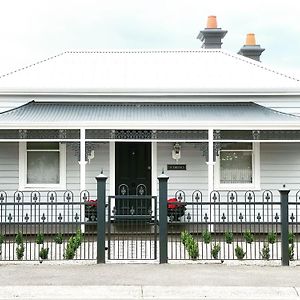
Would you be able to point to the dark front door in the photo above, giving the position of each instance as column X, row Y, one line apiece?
column 133, row 171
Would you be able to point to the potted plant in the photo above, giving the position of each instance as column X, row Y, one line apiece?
column 176, row 209
column 91, row 210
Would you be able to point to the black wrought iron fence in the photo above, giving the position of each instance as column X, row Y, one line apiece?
column 229, row 227
column 46, row 225
column 61, row 225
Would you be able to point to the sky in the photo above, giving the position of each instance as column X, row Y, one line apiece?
column 33, row 30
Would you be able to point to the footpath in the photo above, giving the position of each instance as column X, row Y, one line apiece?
column 147, row 281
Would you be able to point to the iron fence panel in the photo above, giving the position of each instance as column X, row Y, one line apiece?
column 132, row 227
column 46, row 225
column 226, row 227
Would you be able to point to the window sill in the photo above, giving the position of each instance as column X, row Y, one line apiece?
column 43, row 187
column 237, row 187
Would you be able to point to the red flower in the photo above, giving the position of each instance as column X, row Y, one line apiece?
column 92, row 203
column 172, row 205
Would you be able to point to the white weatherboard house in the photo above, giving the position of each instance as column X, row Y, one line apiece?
column 213, row 120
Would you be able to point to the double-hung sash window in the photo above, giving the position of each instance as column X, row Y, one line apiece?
column 238, row 166
column 42, row 165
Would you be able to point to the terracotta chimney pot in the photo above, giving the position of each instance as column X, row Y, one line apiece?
column 250, row 39
column 212, row 22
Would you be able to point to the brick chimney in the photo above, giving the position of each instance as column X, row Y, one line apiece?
column 211, row 36
column 251, row 49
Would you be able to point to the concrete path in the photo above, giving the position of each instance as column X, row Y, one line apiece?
column 147, row 281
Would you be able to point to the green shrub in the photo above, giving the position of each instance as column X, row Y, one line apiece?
column 70, row 249
column 206, row 235
column 291, row 252
column 78, row 238
column 20, row 251
column 184, row 236
column 265, row 252
column 215, row 251
column 239, row 252
column 2, row 237
column 39, row 239
column 43, row 254
column 19, row 238
column 190, row 244
column 73, row 244
column 291, row 238
column 193, row 250
column 228, row 236
column 58, row 239
column 248, row 236
column 272, row 236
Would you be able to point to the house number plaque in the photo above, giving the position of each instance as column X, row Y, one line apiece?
column 176, row 167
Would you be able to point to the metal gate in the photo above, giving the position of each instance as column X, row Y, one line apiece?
column 132, row 227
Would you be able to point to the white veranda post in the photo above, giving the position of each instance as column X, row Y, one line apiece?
column 210, row 162
column 82, row 164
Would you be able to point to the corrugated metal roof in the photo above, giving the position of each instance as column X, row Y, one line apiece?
column 147, row 71
column 150, row 113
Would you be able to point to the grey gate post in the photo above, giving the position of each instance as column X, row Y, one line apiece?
column 284, row 211
column 163, row 218
column 101, row 186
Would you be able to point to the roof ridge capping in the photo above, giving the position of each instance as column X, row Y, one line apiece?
column 258, row 64
column 112, row 51
column 33, row 64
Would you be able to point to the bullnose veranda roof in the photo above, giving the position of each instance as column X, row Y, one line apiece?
column 148, row 114
column 203, row 70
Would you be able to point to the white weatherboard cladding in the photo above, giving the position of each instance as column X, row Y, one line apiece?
column 9, row 167
column 94, row 168
column 195, row 177
column 98, row 163
column 280, row 164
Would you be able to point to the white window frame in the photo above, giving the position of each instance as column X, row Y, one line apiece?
column 23, row 185
column 255, row 185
